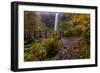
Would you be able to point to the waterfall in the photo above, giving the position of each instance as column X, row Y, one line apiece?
column 56, row 21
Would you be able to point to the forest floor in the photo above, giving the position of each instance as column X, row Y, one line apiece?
column 70, row 48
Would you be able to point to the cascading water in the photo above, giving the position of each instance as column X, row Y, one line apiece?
column 56, row 21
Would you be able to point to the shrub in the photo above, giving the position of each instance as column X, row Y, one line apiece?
column 68, row 33
column 52, row 46
column 65, row 26
column 35, row 53
column 85, row 52
column 77, row 31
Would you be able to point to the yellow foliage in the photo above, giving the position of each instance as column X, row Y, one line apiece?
column 67, row 14
column 83, row 19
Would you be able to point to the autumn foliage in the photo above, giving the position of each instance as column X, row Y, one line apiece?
column 71, row 40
